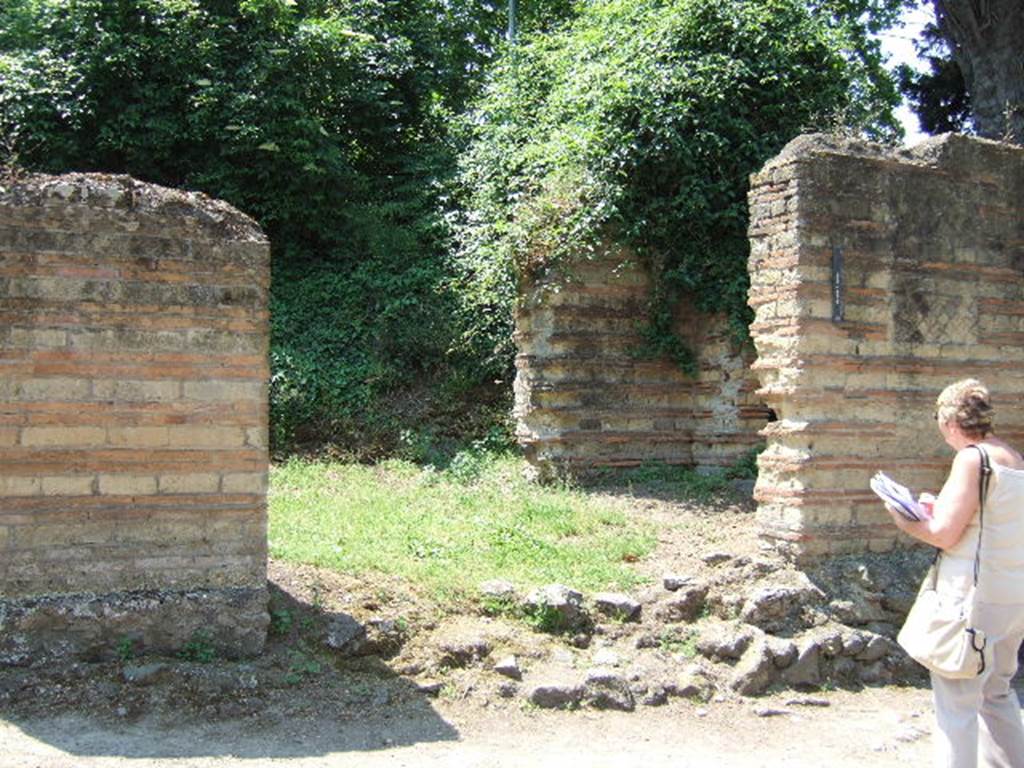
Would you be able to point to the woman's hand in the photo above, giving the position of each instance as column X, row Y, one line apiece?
column 952, row 510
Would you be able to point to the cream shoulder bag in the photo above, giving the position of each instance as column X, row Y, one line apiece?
column 939, row 632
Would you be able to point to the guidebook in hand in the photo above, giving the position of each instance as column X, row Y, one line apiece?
column 898, row 497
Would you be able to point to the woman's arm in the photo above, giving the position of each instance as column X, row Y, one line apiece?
column 954, row 508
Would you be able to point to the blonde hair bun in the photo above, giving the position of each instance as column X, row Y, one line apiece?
column 968, row 404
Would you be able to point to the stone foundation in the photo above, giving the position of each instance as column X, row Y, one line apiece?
column 586, row 400
column 878, row 277
column 227, row 622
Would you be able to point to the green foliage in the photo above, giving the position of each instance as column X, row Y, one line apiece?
column 745, row 468
column 546, row 618
column 281, row 621
column 639, row 124
column 681, row 641
column 126, row 648
column 326, row 120
column 301, row 664
column 199, row 648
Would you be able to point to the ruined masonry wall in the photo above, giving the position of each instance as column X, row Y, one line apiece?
column 923, row 249
column 133, row 418
column 584, row 400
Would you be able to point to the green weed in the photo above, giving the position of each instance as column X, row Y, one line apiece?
column 301, row 665
column 126, row 648
column 199, row 648
column 281, row 622
column 676, row 641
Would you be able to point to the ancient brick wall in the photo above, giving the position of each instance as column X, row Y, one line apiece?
column 133, row 418
column 878, row 277
column 584, row 399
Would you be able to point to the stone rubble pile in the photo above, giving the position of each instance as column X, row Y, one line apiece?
column 745, row 627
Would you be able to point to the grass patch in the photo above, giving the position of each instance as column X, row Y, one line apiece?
column 702, row 487
column 449, row 530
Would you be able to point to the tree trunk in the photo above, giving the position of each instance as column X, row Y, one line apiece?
column 987, row 39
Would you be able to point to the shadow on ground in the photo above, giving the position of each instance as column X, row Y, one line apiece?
column 299, row 698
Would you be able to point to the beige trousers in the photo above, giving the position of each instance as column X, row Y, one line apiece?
column 979, row 720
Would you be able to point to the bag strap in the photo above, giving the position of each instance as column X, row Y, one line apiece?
column 986, row 473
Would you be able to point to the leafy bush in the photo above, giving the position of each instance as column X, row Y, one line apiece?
column 323, row 119
column 639, row 123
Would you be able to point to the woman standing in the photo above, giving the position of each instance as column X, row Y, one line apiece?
column 978, row 719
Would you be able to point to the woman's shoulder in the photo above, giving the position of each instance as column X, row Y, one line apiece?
column 1000, row 453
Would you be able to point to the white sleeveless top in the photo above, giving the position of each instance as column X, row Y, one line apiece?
column 1002, row 545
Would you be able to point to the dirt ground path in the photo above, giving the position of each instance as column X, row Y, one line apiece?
column 873, row 727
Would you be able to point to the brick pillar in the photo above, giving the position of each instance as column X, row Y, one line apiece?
column 878, row 276
column 133, row 419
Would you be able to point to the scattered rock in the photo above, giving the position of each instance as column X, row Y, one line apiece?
column 606, row 657
column 858, row 609
column 716, row 558
column 509, row 667
column 647, row 640
column 775, row 607
column 808, row 701
column 220, row 681
column 771, row 712
column 908, row 734
column 783, row 651
column 694, row 683
column 461, row 652
column 617, row 606
column 755, row 670
column 384, row 637
column 507, row 689
column 831, row 643
column 724, row 641
column 806, row 670
column 145, row 674
column 854, row 643
column 430, row 689
column 673, row 582
column 876, row 647
column 607, row 689
column 875, row 674
column 686, row 604
column 846, row 669
column 562, row 604
column 344, row 633
column 556, row 695
column 900, row 601
column 655, row 696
